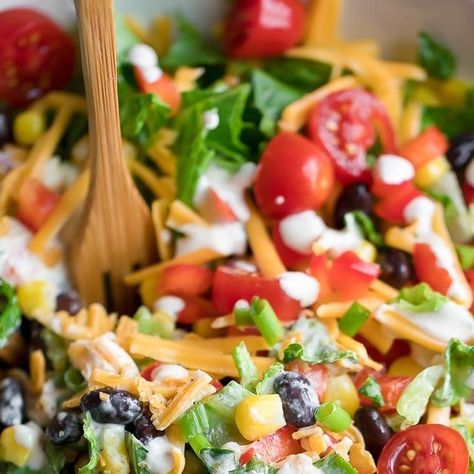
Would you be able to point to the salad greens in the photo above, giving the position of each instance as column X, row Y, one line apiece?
column 247, row 371
column 438, row 61
column 466, row 256
column 10, row 313
column 368, row 227
column 136, row 453
column 90, row 436
column 371, row 389
column 254, row 466
column 421, row 299
column 353, row 319
column 218, row 460
column 334, row 464
column 265, row 386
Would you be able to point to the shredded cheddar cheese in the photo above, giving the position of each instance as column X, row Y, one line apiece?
column 37, row 371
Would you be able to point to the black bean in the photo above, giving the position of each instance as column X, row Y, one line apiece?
column 64, row 428
column 374, row 429
column 108, row 405
column 5, row 126
column 143, row 429
column 355, row 197
column 298, row 398
column 69, row 302
column 12, row 402
column 397, row 267
column 461, row 150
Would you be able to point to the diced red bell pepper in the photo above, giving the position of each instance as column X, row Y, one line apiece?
column 427, row 269
column 391, row 207
column 430, row 144
column 147, row 372
column 184, row 279
column 319, row 268
column 317, row 374
column 196, row 308
column 468, row 191
column 273, row 448
column 231, row 285
column 289, row 257
column 384, row 190
column 399, row 348
column 350, row 276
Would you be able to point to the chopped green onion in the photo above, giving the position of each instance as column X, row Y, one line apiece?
column 371, row 389
column 353, row 319
column 194, row 422
column 247, row 371
column 466, row 256
column 266, row 321
column 74, row 379
column 242, row 314
column 199, row 443
column 333, row 417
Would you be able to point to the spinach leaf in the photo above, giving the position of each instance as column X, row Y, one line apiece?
column 136, row 454
column 190, row 48
column 10, row 313
column 91, row 467
column 334, row 464
column 438, row 61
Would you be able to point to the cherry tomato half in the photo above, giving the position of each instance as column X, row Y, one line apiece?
column 425, row 449
column 345, row 124
column 289, row 257
column 36, row 56
column 185, row 279
column 293, row 175
column 260, row 28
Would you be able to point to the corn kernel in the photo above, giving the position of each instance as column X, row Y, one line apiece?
column 28, row 127
column 114, row 453
column 431, row 172
column 404, row 366
column 342, row 389
column 257, row 416
column 36, row 297
column 11, row 450
column 366, row 251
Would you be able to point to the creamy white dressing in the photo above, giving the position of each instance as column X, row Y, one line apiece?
column 421, row 211
column 336, row 242
column 49, row 398
column 171, row 305
column 58, row 175
column 300, row 286
column 393, row 169
column 298, row 231
column 241, row 304
column 108, row 343
column 211, row 119
column 227, row 239
column 159, row 459
column 452, row 320
column 469, row 173
column 245, row 266
column 18, row 265
column 142, row 55
column 298, row 464
column 151, row 73
column 229, row 187
column 30, row 435
column 169, row 372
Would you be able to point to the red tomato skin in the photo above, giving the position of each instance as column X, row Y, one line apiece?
column 38, row 55
column 293, row 175
column 350, row 276
column 35, row 204
column 184, row 279
column 164, row 88
column 319, row 268
column 391, row 208
column 427, row 270
column 220, row 210
column 430, row 144
column 147, row 372
column 384, row 190
column 317, row 374
column 274, row 447
column 195, row 308
column 289, row 257
column 231, row 285
column 217, row 385
column 344, row 124
column 450, row 456
column 262, row 28
column 468, row 192
column 399, row 348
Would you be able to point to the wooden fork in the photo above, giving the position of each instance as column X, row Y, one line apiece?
column 116, row 232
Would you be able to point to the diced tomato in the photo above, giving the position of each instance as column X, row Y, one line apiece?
column 317, row 374
column 427, row 269
column 184, row 279
column 164, row 88
column 260, row 28
column 350, row 276
column 345, row 124
column 36, row 56
column 217, row 385
column 219, row 210
column 231, row 285
column 468, row 191
column 275, row 447
column 391, row 208
column 293, row 175
column 195, row 308
column 36, row 203
column 430, row 144
column 288, row 256
column 319, row 268
column 384, row 190
column 147, row 372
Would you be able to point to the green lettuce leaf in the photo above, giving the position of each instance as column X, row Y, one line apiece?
column 254, row 466
column 420, row 299
column 265, row 386
column 371, row 390
column 461, row 427
column 92, row 466
column 438, row 61
column 414, row 399
column 218, row 460
column 247, row 371
column 10, row 313
column 334, row 464
column 136, row 454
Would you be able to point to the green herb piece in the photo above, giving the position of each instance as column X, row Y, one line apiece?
column 414, row 399
column 254, row 466
column 368, row 227
column 353, row 319
column 421, row 299
column 371, row 390
column 89, row 434
column 190, row 48
column 247, row 371
column 153, row 324
column 218, row 460
column 136, row 454
column 438, row 61
column 334, row 464
column 265, row 386
column 10, row 313
column 459, row 366
column 74, row 380
column 326, row 356
column 333, row 416
column 270, row 97
column 466, row 256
